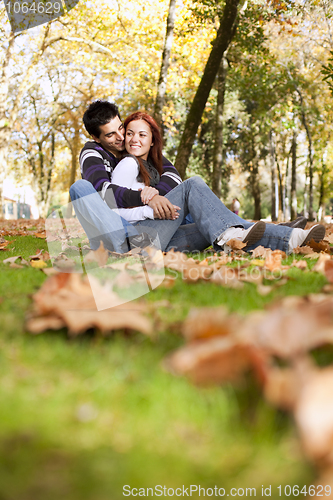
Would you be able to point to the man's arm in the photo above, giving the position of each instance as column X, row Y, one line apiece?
column 169, row 179
column 94, row 170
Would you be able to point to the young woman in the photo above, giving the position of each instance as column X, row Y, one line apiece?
column 214, row 223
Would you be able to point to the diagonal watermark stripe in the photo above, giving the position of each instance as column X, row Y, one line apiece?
column 23, row 14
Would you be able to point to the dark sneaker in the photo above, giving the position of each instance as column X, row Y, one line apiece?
column 316, row 233
column 300, row 223
column 254, row 233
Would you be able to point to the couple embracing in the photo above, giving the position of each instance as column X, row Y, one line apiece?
column 130, row 193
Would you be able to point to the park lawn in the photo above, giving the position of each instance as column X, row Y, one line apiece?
column 82, row 417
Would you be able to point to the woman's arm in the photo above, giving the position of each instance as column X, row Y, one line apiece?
column 125, row 174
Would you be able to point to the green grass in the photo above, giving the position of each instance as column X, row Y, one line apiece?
column 81, row 418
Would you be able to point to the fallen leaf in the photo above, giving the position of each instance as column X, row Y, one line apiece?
column 260, row 251
column 319, row 267
column 303, row 250
column 282, row 387
column 208, row 322
column 300, row 264
column 69, row 298
column 38, row 264
column 314, row 416
column 236, row 244
column 328, row 271
column 320, row 247
column 273, row 261
column 100, row 256
column 11, row 260
column 40, row 235
column 217, row 360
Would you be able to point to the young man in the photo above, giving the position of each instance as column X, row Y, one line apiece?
column 95, row 195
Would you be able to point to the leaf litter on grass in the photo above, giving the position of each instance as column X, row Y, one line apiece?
column 222, row 347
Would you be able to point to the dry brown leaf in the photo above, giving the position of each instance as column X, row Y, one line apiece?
column 15, row 266
column 319, row 267
column 4, row 244
column 328, row 271
column 303, row 250
column 40, row 235
column 292, row 327
column 313, row 255
column 209, row 322
column 69, row 297
column 320, row 247
column 217, row 360
column 236, row 244
column 329, row 238
column 260, row 251
column 300, row 264
column 264, row 289
column 43, row 323
column 282, row 386
column 194, row 272
column 11, row 260
column 226, row 276
column 100, row 256
column 273, row 261
column 314, row 416
column 175, row 260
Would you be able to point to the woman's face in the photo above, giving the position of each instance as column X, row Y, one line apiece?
column 138, row 138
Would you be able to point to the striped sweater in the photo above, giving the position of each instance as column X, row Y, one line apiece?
column 97, row 166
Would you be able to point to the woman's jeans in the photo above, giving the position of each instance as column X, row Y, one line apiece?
column 193, row 197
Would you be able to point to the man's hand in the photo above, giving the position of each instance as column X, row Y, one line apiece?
column 163, row 208
column 147, row 193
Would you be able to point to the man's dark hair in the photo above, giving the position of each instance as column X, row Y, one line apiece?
column 99, row 113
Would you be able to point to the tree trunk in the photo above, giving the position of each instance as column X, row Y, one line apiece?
column 280, row 190
column 161, row 88
column 273, row 176
column 308, row 135
column 223, row 38
column 4, row 122
column 218, row 140
column 285, row 193
column 75, row 146
column 255, row 187
column 322, row 193
column 293, row 196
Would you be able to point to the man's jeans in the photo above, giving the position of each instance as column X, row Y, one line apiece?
column 193, row 196
column 102, row 223
column 211, row 218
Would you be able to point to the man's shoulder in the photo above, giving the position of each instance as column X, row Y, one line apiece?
column 93, row 145
column 94, row 149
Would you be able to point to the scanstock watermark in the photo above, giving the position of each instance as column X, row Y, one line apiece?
column 188, row 491
column 23, row 15
column 126, row 276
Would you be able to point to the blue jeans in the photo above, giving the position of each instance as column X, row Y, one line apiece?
column 211, row 218
column 193, row 196
column 102, row 223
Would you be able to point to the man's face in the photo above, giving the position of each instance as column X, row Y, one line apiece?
column 112, row 136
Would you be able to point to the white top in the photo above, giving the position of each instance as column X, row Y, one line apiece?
column 125, row 174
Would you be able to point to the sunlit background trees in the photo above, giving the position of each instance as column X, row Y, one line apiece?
column 262, row 133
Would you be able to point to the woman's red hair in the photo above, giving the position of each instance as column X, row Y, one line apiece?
column 155, row 153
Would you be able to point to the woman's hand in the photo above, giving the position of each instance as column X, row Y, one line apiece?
column 147, row 193
column 163, row 208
